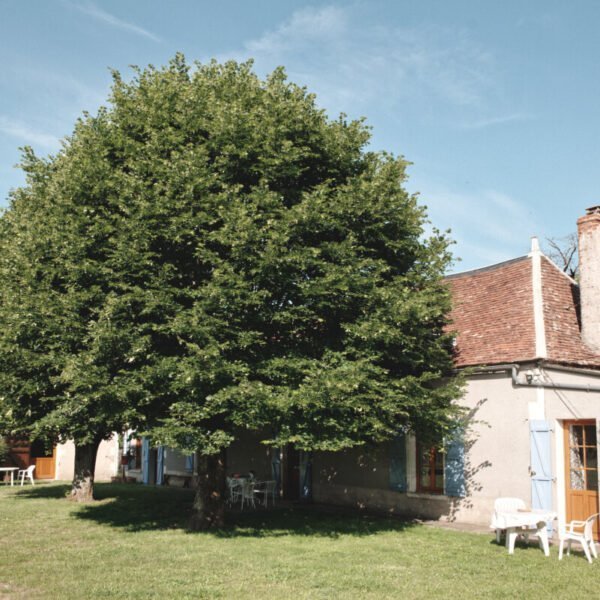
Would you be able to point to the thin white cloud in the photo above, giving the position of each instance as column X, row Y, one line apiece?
column 352, row 62
column 28, row 135
column 101, row 15
column 500, row 120
column 303, row 28
column 543, row 20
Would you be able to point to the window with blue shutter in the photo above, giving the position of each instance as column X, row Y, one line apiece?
column 306, row 467
column 398, row 480
column 276, row 466
column 145, row 461
column 454, row 466
column 189, row 460
column 160, row 466
column 541, row 465
column 189, row 463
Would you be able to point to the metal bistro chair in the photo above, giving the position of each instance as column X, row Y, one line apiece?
column 234, row 490
column 248, row 489
column 266, row 489
column 585, row 536
column 28, row 472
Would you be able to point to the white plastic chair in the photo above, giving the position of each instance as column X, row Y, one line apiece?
column 503, row 505
column 585, row 536
column 28, row 472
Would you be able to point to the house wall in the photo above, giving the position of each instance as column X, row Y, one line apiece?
column 361, row 477
column 497, row 452
column 496, row 461
column 498, row 446
column 107, row 460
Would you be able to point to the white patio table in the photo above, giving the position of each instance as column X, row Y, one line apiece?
column 536, row 521
column 12, row 473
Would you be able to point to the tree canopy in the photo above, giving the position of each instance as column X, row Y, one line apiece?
column 212, row 253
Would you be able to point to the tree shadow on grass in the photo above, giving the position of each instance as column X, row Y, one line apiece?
column 44, row 490
column 135, row 508
column 308, row 520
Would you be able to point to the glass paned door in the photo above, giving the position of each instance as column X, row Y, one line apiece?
column 581, row 466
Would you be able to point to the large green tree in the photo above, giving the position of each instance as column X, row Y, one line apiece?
column 212, row 254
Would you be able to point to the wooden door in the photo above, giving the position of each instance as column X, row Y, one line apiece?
column 291, row 474
column 45, row 466
column 581, row 470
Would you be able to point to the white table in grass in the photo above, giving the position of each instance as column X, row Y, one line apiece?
column 525, row 521
column 10, row 470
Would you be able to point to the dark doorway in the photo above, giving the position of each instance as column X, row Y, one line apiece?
column 152, row 460
column 291, row 474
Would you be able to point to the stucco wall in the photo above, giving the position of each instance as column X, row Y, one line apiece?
column 107, row 461
column 497, row 457
column 497, row 452
column 497, row 461
column 497, row 447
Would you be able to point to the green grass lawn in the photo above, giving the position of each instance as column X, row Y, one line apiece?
column 133, row 543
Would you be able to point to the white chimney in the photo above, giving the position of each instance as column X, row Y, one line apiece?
column 588, row 228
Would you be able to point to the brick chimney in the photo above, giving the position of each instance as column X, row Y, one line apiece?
column 588, row 228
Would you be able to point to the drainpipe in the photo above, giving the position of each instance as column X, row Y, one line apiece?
column 548, row 384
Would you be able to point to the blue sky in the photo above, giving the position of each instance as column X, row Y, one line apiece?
column 494, row 103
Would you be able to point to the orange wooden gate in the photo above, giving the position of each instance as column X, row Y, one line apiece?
column 45, row 466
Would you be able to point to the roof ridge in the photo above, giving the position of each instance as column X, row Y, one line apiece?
column 488, row 268
column 573, row 281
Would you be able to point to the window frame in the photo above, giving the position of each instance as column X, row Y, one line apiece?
column 434, row 453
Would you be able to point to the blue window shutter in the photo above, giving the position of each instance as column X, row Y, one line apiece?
column 160, row 466
column 398, row 481
column 306, row 490
column 145, row 461
column 541, row 466
column 276, row 466
column 189, row 463
column 454, row 466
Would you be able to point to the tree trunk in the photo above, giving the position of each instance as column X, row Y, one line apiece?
column 209, row 503
column 85, row 465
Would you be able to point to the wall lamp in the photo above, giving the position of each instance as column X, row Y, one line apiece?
column 534, row 376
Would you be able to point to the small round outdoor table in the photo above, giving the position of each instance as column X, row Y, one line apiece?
column 11, row 470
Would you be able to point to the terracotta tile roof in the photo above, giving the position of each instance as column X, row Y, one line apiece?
column 562, row 319
column 493, row 316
